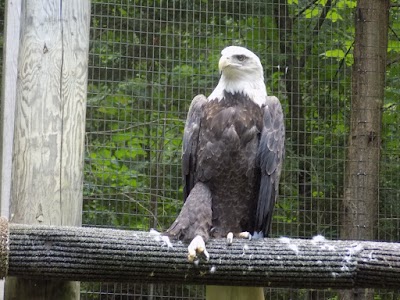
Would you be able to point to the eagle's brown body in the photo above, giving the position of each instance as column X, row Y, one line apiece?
column 223, row 168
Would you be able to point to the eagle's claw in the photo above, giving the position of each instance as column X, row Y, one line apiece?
column 197, row 249
column 245, row 235
column 242, row 235
column 229, row 238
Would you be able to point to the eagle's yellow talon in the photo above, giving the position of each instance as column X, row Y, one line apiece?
column 197, row 248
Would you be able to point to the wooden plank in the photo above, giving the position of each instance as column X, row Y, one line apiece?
column 49, row 127
column 8, row 98
column 76, row 18
column 50, row 113
column 37, row 141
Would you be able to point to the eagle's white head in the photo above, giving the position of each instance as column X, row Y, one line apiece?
column 241, row 72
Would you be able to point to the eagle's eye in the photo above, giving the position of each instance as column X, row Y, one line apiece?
column 241, row 57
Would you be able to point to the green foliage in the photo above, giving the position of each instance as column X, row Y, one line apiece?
column 150, row 58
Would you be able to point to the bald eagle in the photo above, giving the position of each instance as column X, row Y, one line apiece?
column 233, row 148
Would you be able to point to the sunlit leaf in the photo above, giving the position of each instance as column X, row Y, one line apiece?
column 335, row 53
column 333, row 15
column 311, row 13
column 346, row 3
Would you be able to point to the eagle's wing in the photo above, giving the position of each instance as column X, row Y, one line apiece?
column 190, row 142
column 270, row 158
column 195, row 218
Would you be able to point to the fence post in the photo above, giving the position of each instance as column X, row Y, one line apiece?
column 47, row 167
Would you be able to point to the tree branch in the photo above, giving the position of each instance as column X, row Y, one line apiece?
column 94, row 254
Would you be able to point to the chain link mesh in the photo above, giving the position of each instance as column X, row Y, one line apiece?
column 148, row 59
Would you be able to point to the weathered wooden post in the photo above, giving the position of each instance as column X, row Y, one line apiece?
column 47, row 165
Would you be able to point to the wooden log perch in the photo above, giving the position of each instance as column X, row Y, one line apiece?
column 94, row 254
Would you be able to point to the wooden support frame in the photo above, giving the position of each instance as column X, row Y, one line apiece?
column 43, row 123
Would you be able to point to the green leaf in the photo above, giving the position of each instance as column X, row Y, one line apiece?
column 311, row 13
column 122, row 137
column 346, row 3
column 108, row 110
column 335, row 53
column 394, row 46
column 333, row 15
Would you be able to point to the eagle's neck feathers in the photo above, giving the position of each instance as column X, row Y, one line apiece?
column 254, row 89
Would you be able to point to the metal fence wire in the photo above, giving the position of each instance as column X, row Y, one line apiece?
column 148, row 59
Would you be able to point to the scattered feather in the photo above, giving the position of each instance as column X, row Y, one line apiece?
column 347, row 258
column 344, row 268
column 245, row 248
column 318, row 239
column 258, row 235
column 154, row 232
column 158, row 237
column 294, row 248
column 371, row 256
column 284, row 240
column 327, row 247
column 355, row 249
column 331, row 247
column 166, row 242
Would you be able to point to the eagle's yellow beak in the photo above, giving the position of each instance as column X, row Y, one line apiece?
column 223, row 63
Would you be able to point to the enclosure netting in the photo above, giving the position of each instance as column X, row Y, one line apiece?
column 149, row 58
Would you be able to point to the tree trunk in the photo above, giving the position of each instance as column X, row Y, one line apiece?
column 47, row 168
column 361, row 195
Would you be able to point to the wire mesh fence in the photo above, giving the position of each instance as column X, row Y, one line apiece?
column 148, row 59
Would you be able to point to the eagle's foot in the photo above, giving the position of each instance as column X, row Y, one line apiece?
column 197, row 249
column 245, row 235
column 242, row 235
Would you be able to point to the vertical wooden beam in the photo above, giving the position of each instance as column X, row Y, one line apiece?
column 8, row 99
column 361, row 198
column 47, row 168
column 8, row 96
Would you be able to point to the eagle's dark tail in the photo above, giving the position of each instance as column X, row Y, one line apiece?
column 195, row 217
column 265, row 206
